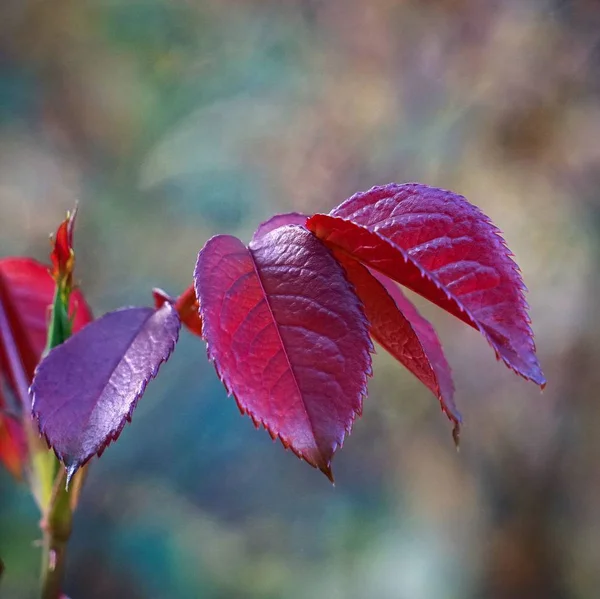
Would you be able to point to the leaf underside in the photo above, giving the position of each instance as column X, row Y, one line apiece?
column 287, row 336
column 87, row 388
column 440, row 246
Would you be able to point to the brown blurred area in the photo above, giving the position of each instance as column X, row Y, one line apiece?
column 173, row 120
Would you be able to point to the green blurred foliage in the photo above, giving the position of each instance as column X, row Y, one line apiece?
column 173, row 120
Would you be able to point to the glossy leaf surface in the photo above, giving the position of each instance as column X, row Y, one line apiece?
column 440, row 246
column 86, row 388
column 287, row 336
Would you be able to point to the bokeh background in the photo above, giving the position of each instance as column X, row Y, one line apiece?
column 173, row 120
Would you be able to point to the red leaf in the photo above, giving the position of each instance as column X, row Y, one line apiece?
column 288, row 337
column 437, row 244
column 396, row 325
column 26, row 293
column 186, row 305
column 13, row 450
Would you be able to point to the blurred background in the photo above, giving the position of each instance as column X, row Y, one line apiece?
column 173, row 120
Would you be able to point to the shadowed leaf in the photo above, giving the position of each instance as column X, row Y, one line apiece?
column 440, row 246
column 396, row 325
column 85, row 389
column 287, row 336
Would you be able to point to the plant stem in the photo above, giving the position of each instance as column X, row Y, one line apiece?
column 57, row 521
column 56, row 526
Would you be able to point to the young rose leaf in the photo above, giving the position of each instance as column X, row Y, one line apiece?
column 86, row 388
column 186, row 305
column 397, row 326
column 440, row 246
column 62, row 255
column 287, row 336
column 26, row 294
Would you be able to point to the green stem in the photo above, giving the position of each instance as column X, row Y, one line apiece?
column 56, row 526
column 57, row 522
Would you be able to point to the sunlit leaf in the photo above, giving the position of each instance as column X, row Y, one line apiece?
column 87, row 388
column 440, row 246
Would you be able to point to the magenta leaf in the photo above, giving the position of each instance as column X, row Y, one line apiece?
column 287, row 336
column 440, row 246
column 397, row 326
column 87, row 388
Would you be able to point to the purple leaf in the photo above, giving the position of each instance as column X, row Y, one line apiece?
column 86, row 388
column 287, row 335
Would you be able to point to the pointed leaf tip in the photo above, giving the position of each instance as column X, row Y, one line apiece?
column 456, row 435
column 71, row 470
column 86, row 388
column 287, row 336
column 328, row 472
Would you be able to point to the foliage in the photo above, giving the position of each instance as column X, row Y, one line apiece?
column 288, row 322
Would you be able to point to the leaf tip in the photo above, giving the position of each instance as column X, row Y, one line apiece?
column 328, row 472
column 71, row 470
column 456, row 435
